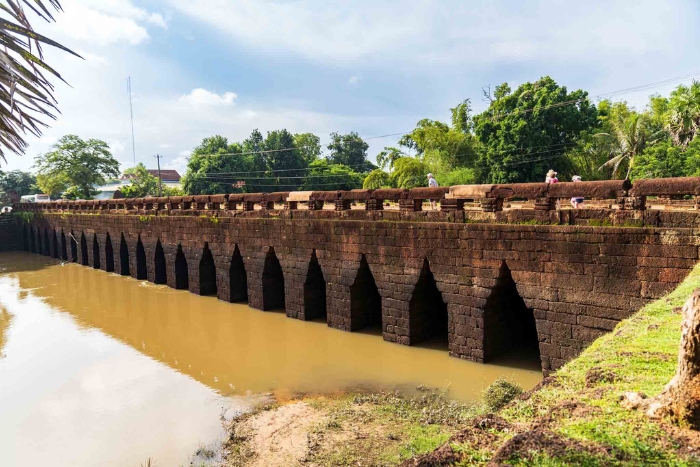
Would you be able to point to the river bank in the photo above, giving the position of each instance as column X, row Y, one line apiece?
column 574, row 417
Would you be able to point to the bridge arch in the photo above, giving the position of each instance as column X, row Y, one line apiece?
column 314, row 291
column 73, row 248
column 181, row 273
column 83, row 250
column 109, row 254
column 47, row 243
column 365, row 301
column 95, row 252
column 509, row 325
column 141, row 269
column 272, row 282
column 238, row 279
column 124, row 257
column 54, row 252
column 39, row 247
column 427, row 312
column 64, row 247
column 161, row 274
column 207, row 272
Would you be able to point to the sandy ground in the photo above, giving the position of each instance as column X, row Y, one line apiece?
column 277, row 438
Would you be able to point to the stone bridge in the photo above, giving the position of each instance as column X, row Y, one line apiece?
column 497, row 267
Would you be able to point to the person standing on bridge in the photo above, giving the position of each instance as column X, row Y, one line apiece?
column 576, row 202
column 432, row 183
column 551, row 177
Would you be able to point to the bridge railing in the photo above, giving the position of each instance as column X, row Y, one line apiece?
column 612, row 194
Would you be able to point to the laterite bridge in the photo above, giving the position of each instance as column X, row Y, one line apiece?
column 496, row 266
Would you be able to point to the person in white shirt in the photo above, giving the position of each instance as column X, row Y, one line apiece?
column 432, row 183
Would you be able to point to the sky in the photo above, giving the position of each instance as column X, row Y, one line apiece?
column 207, row 67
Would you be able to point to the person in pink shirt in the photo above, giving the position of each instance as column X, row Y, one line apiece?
column 551, row 177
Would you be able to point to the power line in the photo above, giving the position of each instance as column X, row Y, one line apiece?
column 495, row 117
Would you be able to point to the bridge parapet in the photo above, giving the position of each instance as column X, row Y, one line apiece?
column 671, row 202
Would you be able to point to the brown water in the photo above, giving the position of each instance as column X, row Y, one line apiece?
column 99, row 369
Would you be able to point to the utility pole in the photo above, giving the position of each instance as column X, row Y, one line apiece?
column 131, row 109
column 160, row 180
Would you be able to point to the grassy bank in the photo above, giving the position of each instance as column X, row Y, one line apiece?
column 575, row 417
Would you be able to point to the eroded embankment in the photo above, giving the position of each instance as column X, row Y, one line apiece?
column 573, row 418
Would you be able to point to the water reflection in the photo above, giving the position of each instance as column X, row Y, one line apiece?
column 234, row 349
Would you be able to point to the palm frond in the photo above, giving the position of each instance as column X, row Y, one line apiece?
column 26, row 93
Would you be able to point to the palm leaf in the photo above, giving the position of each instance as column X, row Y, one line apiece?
column 26, row 94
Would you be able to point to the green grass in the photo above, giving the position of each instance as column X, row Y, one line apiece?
column 641, row 355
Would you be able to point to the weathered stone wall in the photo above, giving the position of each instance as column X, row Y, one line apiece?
column 8, row 234
column 578, row 281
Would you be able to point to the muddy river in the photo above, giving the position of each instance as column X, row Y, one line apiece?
column 99, row 369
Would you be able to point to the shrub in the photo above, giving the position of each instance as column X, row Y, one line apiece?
column 500, row 393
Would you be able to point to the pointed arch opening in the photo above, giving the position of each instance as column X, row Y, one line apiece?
column 55, row 252
column 509, row 325
column 238, row 279
column 365, row 301
column 272, row 282
column 39, row 244
column 73, row 248
column 314, row 291
column 124, row 257
column 161, row 275
column 109, row 254
column 47, row 243
column 83, row 250
column 32, row 240
column 141, row 270
column 64, row 247
column 95, row 252
column 427, row 311
column 26, row 245
column 181, row 274
column 207, row 272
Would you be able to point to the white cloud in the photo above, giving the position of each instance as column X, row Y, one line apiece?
column 106, row 22
column 436, row 31
column 202, row 97
column 354, row 80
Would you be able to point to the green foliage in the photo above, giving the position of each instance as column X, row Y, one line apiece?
column 350, row 150
column 377, row 179
column 323, row 176
column 142, row 183
column 661, row 160
column 76, row 166
column 683, row 116
column 309, row 146
column 18, row 182
column 388, row 157
column 437, row 144
column 524, row 133
column 213, row 156
column 409, row 172
column 460, row 176
column 500, row 393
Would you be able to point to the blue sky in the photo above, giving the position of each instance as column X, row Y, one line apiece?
column 207, row 67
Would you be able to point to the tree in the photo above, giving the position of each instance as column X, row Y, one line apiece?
column 441, row 146
column 377, row 179
column 680, row 399
column 683, row 118
column 142, row 183
column 660, row 161
column 324, row 176
column 76, row 165
column 26, row 95
column 283, row 161
column 16, row 181
column 309, row 146
column 215, row 167
column 409, row 172
column 630, row 139
column 525, row 132
column 388, row 157
column 350, row 150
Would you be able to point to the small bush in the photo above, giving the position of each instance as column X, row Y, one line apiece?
column 500, row 393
